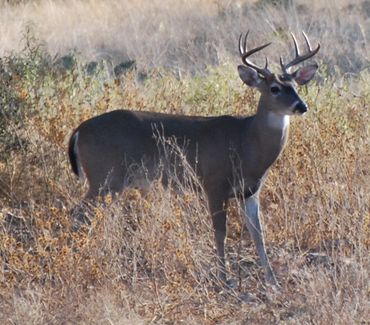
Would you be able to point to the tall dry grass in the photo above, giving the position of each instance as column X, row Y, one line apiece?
column 149, row 257
column 187, row 35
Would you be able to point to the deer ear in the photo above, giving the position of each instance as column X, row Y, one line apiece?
column 305, row 74
column 249, row 76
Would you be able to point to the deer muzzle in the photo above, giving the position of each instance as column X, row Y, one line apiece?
column 300, row 108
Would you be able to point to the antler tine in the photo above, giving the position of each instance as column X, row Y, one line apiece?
column 296, row 45
column 307, row 41
column 242, row 46
column 298, row 57
column 244, row 53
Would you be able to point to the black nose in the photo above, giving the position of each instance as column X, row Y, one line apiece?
column 300, row 107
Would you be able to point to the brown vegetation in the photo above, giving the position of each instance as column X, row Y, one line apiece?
column 148, row 257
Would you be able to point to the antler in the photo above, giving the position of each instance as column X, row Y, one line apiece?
column 244, row 53
column 298, row 57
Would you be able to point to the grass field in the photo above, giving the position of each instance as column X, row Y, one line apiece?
column 148, row 258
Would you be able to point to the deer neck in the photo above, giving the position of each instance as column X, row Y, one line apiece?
column 269, row 131
column 277, row 123
column 270, row 125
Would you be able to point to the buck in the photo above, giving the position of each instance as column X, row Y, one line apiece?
column 106, row 147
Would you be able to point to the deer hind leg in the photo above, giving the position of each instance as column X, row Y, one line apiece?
column 104, row 181
column 98, row 187
column 252, row 218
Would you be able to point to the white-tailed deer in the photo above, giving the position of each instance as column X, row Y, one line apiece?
column 105, row 147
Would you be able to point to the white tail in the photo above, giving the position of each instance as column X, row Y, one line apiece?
column 106, row 146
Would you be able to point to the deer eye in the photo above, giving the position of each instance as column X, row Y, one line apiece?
column 275, row 90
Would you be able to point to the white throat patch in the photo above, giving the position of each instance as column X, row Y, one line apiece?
column 277, row 121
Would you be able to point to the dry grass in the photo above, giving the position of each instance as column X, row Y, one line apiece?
column 149, row 257
column 187, row 35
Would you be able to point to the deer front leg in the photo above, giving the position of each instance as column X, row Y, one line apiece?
column 252, row 218
column 219, row 225
column 218, row 214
